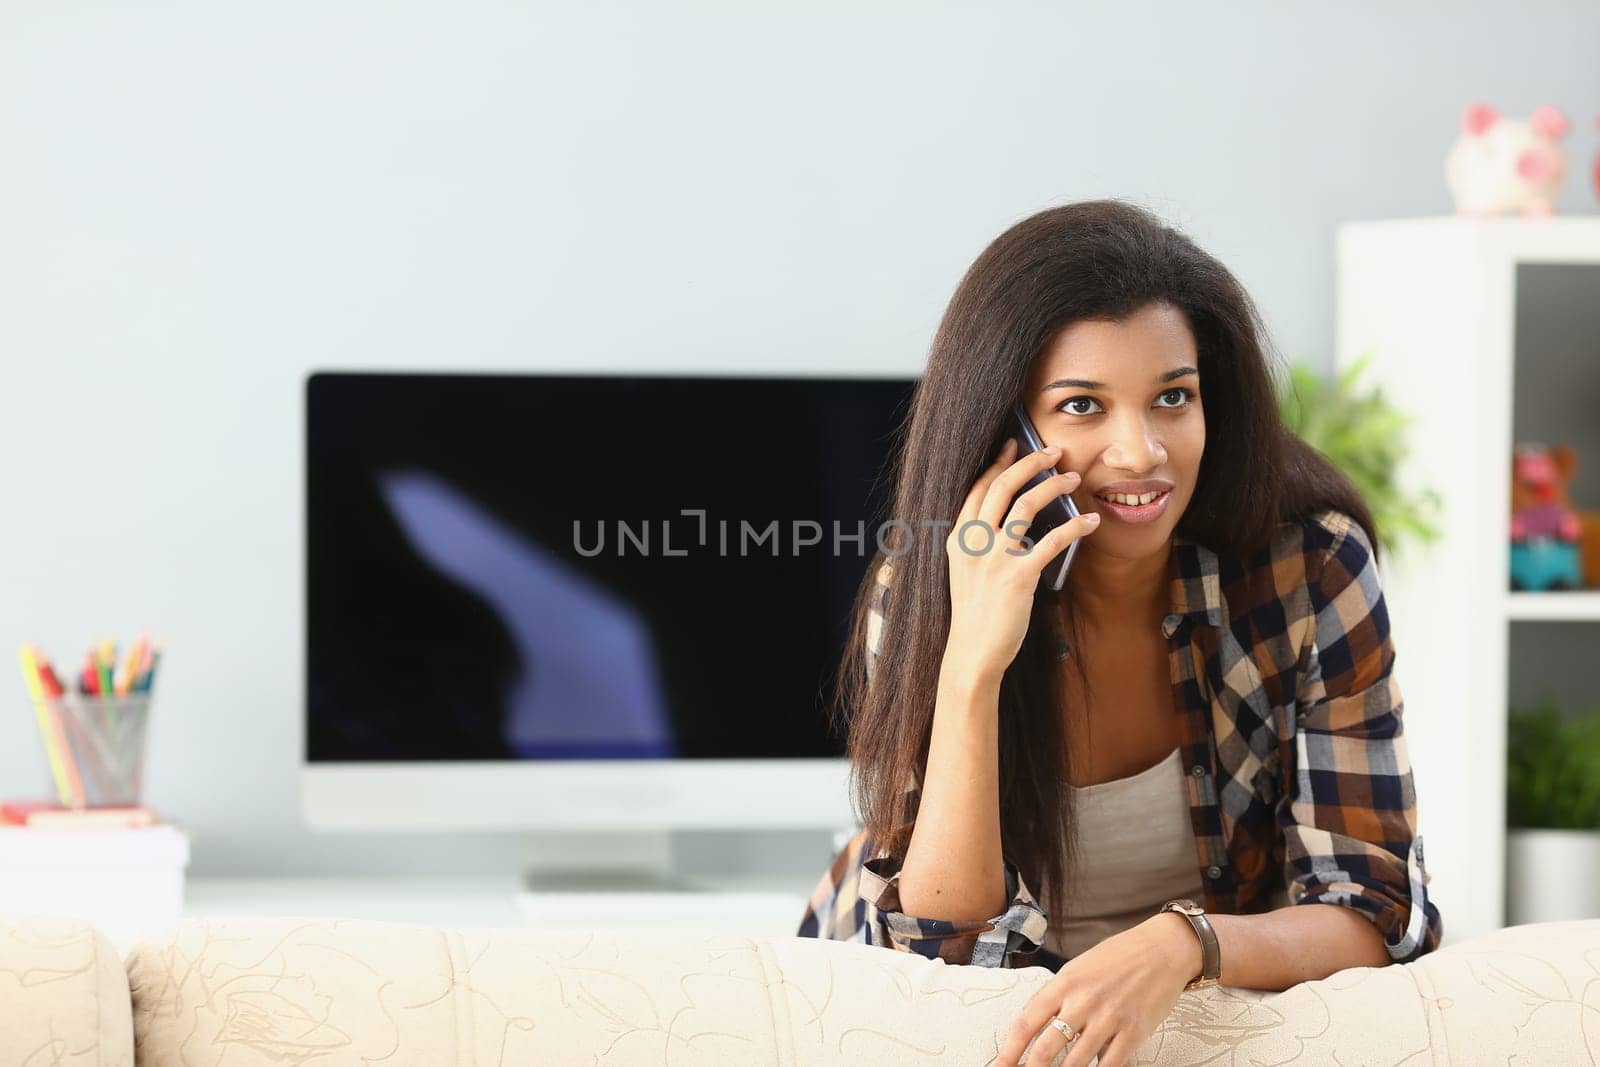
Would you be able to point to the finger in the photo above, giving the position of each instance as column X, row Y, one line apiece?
column 1029, row 503
column 1083, row 1050
column 1050, row 1043
column 969, row 506
column 1040, row 1009
column 1057, row 540
column 1004, row 487
column 1119, row 1052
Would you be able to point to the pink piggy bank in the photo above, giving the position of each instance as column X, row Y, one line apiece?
column 1500, row 165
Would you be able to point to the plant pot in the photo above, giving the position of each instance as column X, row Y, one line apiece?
column 1552, row 875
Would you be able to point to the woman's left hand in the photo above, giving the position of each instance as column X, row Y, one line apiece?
column 1114, row 996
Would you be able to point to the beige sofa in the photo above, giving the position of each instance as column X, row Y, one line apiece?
column 299, row 992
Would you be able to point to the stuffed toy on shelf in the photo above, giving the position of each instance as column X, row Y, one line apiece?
column 1553, row 545
column 1501, row 165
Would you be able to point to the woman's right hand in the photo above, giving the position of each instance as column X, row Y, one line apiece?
column 991, row 592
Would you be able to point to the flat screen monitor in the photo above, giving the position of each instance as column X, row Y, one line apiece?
column 556, row 599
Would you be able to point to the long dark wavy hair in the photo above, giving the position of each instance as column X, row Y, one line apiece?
column 1098, row 259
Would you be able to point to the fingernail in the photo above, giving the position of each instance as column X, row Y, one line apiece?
column 1054, row 450
column 1093, row 518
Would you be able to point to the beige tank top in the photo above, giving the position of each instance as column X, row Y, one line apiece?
column 1136, row 851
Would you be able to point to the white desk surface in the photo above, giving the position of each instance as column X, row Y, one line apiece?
column 757, row 907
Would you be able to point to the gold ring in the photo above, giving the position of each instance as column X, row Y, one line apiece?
column 1066, row 1029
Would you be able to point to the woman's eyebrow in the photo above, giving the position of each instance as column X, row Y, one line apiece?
column 1084, row 383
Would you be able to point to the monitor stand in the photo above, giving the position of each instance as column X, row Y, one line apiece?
column 603, row 861
column 597, row 879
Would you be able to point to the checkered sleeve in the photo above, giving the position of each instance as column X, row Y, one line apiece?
column 835, row 911
column 858, row 897
column 1010, row 939
column 875, row 616
column 1349, row 821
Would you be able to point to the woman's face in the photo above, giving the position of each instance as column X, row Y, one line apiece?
column 1123, row 402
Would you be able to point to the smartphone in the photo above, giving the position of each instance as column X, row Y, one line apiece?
column 1053, row 514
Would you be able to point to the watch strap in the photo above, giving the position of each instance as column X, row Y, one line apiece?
column 1210, row 950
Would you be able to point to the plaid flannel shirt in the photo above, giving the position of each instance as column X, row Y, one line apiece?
column 1299, row 782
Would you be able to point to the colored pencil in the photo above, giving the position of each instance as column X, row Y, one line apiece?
column 47, row 730
column 130, row 667
column 103, row 662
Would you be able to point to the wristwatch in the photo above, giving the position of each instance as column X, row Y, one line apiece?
column 1210, row 951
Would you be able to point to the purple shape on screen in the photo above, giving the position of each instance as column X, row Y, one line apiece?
column 589, row 687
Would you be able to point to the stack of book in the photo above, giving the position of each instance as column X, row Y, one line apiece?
column 47, row 816
column 121, row 869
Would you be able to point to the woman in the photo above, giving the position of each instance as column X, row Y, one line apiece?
column 1206, row 712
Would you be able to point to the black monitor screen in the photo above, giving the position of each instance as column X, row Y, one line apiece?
column 504, row 567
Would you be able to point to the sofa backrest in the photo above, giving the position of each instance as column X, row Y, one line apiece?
column 290, row 991
column 63, row 995
column 287, row 991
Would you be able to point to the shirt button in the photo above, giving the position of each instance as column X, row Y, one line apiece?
column 1198, row 771
column 1213, row 872
column 1169, row 624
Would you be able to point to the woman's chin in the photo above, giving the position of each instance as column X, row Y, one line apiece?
column 1123, row 541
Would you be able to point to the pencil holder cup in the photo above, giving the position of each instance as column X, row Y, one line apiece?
column 95, row 747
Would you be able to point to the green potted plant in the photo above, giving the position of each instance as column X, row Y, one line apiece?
column 1552, row 813
column 1363, row 434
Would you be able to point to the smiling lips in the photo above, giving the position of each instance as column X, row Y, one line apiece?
column 1134, row 502
column 1130, row 498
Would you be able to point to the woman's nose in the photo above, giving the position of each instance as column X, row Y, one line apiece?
column 1136, row 448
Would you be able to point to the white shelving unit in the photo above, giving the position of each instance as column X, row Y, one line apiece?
column 1437, row 300
column 1553, row 607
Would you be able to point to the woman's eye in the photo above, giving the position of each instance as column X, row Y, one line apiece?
column 1088, row 405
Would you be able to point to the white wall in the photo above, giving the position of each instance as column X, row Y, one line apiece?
column 199, row 202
